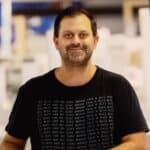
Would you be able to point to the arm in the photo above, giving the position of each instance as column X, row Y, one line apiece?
column 130, row 118
column 135, row 141
column 12, row 143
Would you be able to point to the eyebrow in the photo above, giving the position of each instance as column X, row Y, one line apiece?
column 66, row 31
column 72, row 32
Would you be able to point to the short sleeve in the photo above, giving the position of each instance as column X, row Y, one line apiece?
column 129, row 116
column 20, row 119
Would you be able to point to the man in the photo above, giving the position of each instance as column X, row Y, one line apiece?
column 77, row 106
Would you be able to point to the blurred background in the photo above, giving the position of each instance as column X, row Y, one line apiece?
column 27, row 50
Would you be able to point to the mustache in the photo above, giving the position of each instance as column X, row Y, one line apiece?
column 72, row 46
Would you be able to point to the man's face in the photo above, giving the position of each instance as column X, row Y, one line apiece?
column 75, row 40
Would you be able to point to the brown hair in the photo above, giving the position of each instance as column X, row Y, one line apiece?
column 71, row 12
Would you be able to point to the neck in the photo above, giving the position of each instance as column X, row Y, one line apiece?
column 75, row 76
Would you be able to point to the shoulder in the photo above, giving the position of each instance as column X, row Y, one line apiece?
column 38, row 81
column 113, row 78
column 118, row 84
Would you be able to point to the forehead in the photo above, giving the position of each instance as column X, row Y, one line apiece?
column 79, row 22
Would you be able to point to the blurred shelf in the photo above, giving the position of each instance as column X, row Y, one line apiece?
column 47, row 9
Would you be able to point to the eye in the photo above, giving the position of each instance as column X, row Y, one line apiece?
column 83, row 35
column 68, row 35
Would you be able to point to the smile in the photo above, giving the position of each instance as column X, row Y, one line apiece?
column 76, row 49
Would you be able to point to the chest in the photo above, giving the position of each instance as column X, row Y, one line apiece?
column 76, row 123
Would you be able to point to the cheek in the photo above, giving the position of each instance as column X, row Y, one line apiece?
column 60, row 45
column 90, row 43
column 64, row 43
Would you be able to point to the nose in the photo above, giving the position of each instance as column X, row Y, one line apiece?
column 76, row 39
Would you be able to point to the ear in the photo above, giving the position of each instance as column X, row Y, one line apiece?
column 55, row 40
column 96, row 39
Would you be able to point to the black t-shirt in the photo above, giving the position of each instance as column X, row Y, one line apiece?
column 92, row 116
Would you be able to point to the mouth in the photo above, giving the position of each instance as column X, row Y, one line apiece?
column 75, row 48
column 75, row 51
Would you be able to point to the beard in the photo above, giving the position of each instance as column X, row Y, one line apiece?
column 77, row 55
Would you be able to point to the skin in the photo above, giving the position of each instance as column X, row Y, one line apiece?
column 11, row 143
column 76, row 44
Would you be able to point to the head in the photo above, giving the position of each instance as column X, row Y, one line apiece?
column 75, row 35
column 72, row 12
